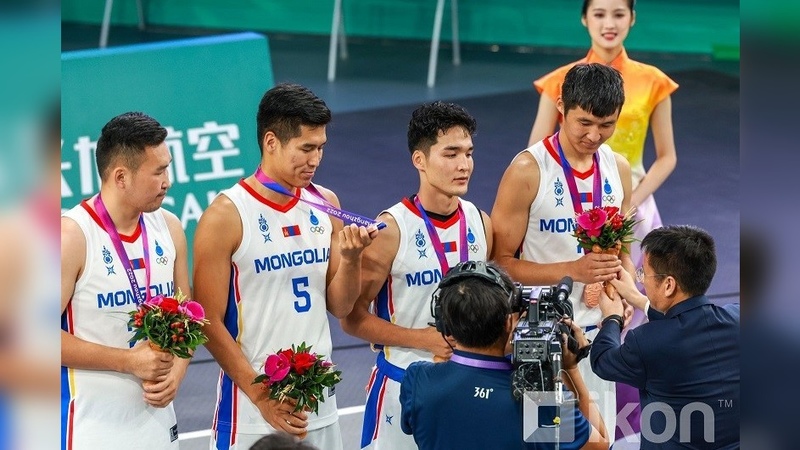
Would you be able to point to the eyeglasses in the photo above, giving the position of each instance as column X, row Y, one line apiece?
column 640, row 275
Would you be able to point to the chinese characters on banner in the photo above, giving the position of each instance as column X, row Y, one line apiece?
column 205, row 160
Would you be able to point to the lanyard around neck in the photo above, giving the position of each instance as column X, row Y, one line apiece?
column 111, row 229
column 480, row 363
column 325, row 207
column 577, row 205
column 438, row 247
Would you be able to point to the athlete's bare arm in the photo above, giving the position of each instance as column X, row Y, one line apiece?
column 376, row 266
column 344, row 266
column 517, row 191
column 141, row 360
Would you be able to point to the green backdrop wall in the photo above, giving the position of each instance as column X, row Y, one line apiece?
column 205, row 91
column 681, row 26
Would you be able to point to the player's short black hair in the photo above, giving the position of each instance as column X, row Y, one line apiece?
column 432, row 119
column 281, row 441
column 127, row 136
column 595, row 88
column 285, row 107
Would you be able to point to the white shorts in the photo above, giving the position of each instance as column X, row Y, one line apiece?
column 381, row 430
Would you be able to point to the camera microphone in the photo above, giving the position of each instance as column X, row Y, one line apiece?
column 557, row 378
column 564, row 289
column 559, row 393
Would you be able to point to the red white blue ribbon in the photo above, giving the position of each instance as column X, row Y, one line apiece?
column 325, row 207
column 108, row 224
column 438, row 247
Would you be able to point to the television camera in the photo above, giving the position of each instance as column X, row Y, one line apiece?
column 536, row 339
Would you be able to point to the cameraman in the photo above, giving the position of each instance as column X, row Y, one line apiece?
column 685, row 361
column 467, row 402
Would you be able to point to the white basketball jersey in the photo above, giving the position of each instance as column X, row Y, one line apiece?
column 405, row 297
column 277, row 297
column 106, row 409
column 551, row 219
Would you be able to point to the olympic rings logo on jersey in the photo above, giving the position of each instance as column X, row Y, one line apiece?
column 163, row 260
column 474, row 248
column 318, row 229
column 609, row 198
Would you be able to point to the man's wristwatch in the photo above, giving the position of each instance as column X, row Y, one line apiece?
column 615, row 318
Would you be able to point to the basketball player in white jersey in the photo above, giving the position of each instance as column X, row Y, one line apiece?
column 267, row 266
column 426, row 234
column 118, row 248
column 548, row 183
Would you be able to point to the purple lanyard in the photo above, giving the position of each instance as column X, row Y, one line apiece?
column 108, row 224
column 438, row 247
column 577, row 205
column 481, row 363
column 325, row 207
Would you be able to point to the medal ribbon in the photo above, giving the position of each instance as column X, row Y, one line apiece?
column 325, row 207
column 577, row 205
column 108, row 224
column 438, row 247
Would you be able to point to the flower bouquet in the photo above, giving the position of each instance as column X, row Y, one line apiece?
column 298, row 374
column 603, row 230
column 171, row 324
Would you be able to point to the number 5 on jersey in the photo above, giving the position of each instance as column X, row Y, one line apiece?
column 303, row 302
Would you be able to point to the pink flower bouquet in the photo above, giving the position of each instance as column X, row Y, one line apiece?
column 298, row 374
column 603, row 230
column 171, row 324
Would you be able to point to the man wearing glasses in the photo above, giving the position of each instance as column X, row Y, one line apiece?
column 685, row 361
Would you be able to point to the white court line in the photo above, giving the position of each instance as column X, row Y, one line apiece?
column 194, row 435
column 351, row 410
column 207, row 433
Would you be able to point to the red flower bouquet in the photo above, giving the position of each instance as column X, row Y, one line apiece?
column 603, row 230
column 299, row 374
column 171, row 324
